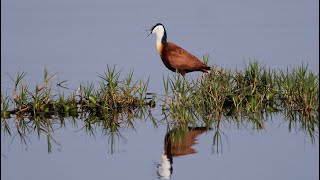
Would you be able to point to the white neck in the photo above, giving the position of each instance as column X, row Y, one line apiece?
column 159, row 31
column 158, row 41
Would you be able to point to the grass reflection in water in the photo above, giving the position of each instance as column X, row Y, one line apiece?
column 244, row 98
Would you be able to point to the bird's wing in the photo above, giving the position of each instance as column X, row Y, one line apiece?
column 182, row 59
column 181, row 144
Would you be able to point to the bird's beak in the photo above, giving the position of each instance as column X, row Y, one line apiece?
column 149, row 33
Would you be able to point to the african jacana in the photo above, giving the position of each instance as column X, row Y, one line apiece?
column 174, row 57
column 175, row 145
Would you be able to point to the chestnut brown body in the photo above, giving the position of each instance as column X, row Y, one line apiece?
column 177, row 59
column 181, row 144
column 174, row 57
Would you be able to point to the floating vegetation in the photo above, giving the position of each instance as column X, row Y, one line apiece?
column 252, row 95
column 114, row 102
column 112, row 95
column 242, row 97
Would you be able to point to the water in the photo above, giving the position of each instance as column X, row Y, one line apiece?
column 79, row 39
column 243, row 153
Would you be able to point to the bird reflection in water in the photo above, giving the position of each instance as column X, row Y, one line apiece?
column 177, row 143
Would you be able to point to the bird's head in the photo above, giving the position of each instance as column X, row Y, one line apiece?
column 160, row 32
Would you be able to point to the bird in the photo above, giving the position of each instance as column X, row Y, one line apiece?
column 179, row 144
column 174, row 57
column 176, row 144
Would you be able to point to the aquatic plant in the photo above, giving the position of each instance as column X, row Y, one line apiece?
column 113, row 102
column 250, row 94
column 242, row 97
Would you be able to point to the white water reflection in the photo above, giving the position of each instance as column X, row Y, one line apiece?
column 177, row 143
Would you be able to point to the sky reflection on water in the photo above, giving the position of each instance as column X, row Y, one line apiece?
column 144, row 151
column 78, row 39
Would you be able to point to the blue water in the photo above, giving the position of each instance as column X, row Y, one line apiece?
column 78, row 39
column 243, row 153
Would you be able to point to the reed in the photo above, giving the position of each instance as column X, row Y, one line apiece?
column 243, row 97
column 113, row 102
column 249, row 94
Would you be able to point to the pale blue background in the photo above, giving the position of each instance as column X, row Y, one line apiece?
column 79, row 38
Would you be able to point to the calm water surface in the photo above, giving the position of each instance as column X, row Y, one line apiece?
column 78, row 39
column 242, row 153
